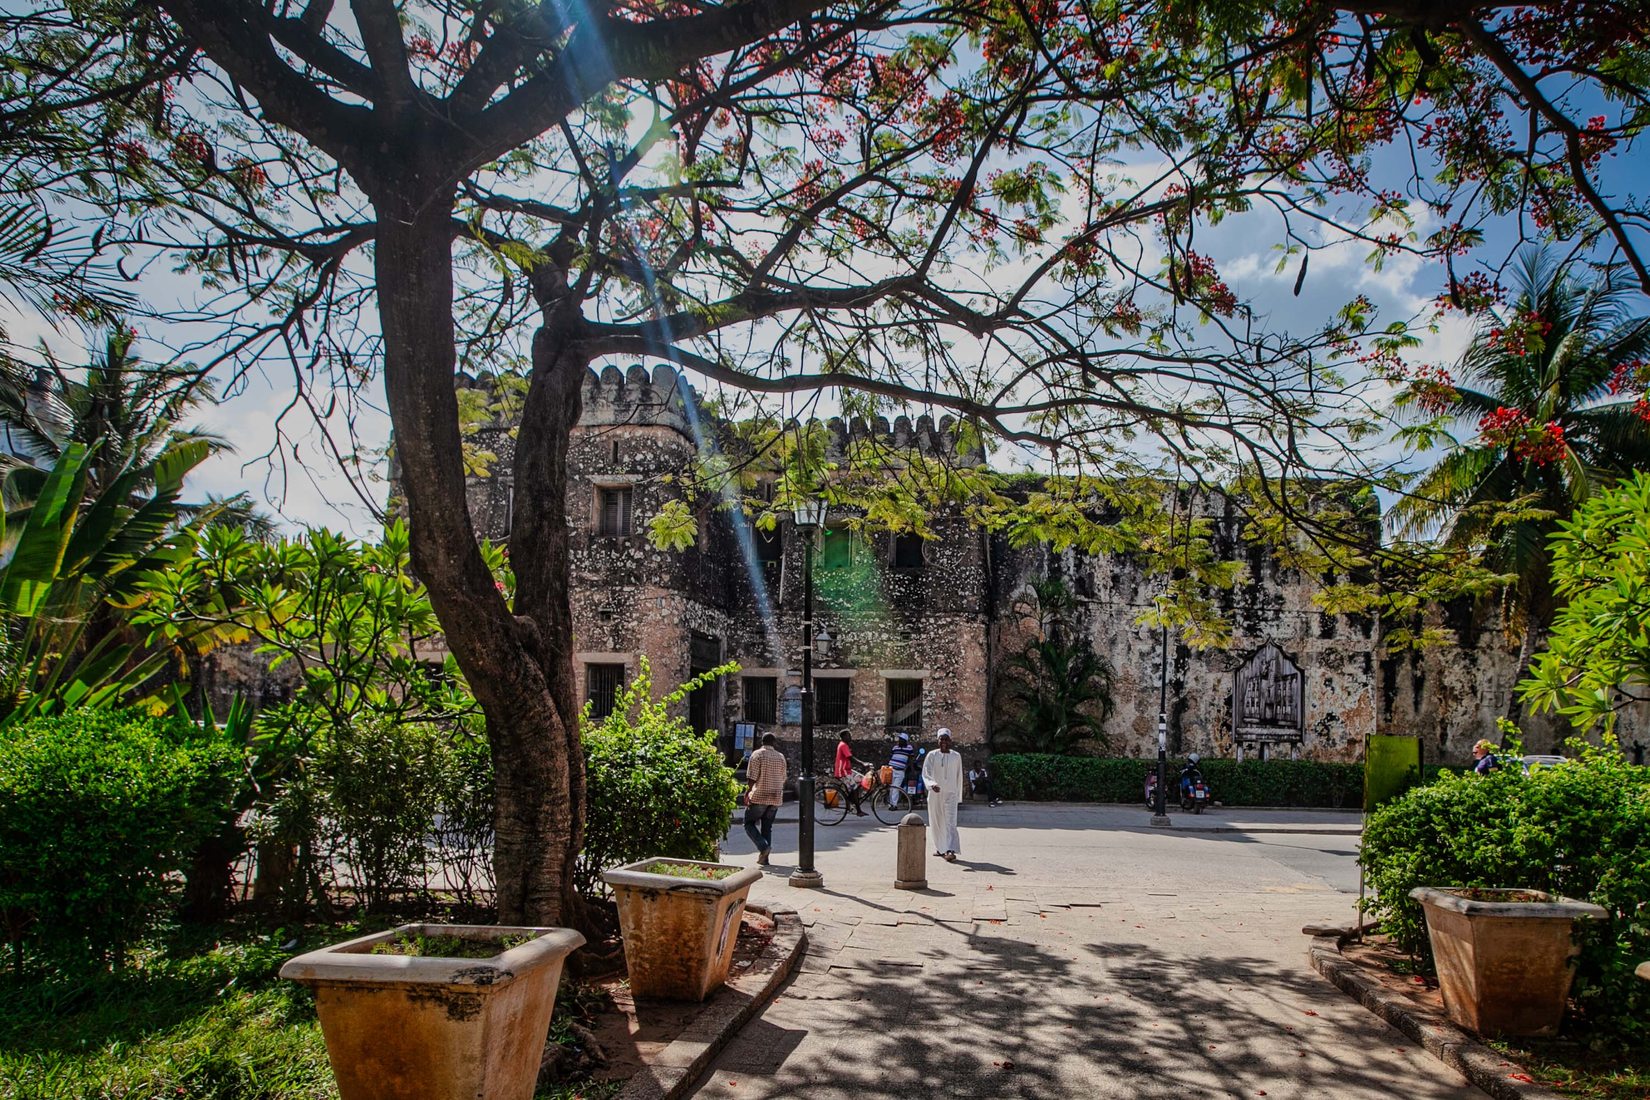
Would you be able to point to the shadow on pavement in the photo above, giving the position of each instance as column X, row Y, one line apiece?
column 1001, row 1011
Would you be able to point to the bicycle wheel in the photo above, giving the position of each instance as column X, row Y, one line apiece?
column 833, row 803
column 882, row 804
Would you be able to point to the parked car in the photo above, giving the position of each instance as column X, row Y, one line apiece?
column 1546, row 760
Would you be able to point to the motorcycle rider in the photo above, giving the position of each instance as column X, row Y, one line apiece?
column 1190, row 773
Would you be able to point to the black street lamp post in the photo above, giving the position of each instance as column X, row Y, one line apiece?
column 1160, row 810
column 809, row 516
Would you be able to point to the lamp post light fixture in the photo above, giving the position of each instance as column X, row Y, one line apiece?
column 809, row 516
column 1160, row 810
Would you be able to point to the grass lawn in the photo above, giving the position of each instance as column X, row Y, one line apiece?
column 1574, row 1070
column 196, row 1015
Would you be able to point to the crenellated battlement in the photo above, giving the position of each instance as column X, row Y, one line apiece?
column 633, row 397
column 921, row 435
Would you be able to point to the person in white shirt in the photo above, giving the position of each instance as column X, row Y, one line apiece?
column 942, row 773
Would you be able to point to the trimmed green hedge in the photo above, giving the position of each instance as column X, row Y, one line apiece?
column 1580, row 829
column 1045, row 778
column 98, row 809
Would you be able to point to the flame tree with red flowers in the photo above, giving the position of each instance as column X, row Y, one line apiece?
column 999, row 208
column 1549, row 404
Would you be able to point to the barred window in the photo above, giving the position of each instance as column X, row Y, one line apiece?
column 905, row 705
column 602, row 685
column 613, row 511
column 831, row 701
column 761, row 699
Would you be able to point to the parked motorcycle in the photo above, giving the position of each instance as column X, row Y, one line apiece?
column 1194, row 790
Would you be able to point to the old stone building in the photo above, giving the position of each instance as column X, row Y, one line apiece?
column 913, row 631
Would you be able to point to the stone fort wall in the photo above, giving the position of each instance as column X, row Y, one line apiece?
column 945, row 624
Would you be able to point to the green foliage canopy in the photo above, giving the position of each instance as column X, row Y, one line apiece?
column 1598, row 653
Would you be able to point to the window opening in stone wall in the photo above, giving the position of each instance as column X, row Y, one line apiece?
column 770, row 555
column 831, row 701
column 908, row 551
column 613, row 511
column 704, row 654
column 836, row 548
column 905, row 705
column 509, row 487
column 615, row 450
column 761, row 699
column 603, row 682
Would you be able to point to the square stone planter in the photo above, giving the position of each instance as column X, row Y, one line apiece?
column 1504, row 956
column 401, row 1027
column 679, row 933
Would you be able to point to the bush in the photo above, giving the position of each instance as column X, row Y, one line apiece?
column 1232, row 782
column 97, row 808
column 1580, row 829
column 654, row 787
column 381, row 779
column 464, row 842
column 373, row 804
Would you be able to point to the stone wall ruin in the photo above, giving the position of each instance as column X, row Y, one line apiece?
column 936, row 629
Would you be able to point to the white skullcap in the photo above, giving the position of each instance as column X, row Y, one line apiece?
column 944, row 732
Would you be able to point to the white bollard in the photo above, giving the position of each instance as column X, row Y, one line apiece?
column 911, row 870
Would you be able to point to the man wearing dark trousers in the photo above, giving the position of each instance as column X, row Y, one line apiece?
column 766, row 774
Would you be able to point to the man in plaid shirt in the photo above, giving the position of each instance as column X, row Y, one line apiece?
column 766, row 773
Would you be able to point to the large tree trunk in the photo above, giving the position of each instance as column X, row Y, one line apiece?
column 517, row 666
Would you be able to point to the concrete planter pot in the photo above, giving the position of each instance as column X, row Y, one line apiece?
column 1504, row 956
column 679, row 933
column 401, row 1027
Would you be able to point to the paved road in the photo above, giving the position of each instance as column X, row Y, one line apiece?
column 1074, row 951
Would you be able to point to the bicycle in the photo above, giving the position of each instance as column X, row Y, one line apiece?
column 890, row 813
column 835, row 798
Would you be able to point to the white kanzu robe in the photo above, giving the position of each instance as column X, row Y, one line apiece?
column 943, row 774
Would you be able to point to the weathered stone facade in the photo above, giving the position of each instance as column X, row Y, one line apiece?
column 930, row 622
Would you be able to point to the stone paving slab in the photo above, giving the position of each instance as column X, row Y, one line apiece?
column 1112, row 962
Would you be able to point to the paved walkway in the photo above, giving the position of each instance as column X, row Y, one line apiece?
column 1074, row 951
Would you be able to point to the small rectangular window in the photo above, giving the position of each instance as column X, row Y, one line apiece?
column 905, row 705
column 613, row 511
column 761, row 699
column 836, row 548
column 908, row 551
column 603, row 683
column 831, row 701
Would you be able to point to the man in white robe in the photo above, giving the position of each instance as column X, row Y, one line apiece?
column 942, row 773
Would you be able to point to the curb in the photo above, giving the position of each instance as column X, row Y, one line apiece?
column 1481, row 1066
column 1277, row 830
column 676, row 1068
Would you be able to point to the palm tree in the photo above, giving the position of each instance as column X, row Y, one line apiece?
column 1543, row 411
column 131, row 412
column 1056, row 692
column 125, row 411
